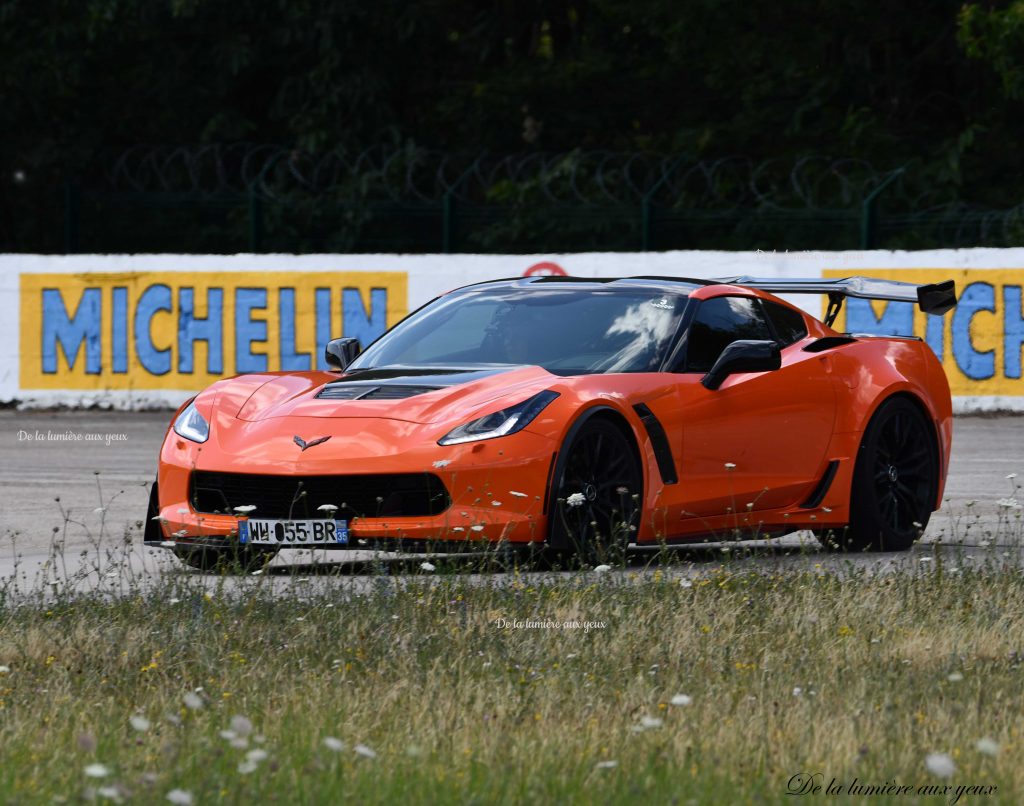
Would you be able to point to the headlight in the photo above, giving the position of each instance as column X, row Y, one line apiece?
column 501, row 423
column 192, row 425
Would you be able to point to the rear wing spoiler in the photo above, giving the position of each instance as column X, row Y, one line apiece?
column 933, row 298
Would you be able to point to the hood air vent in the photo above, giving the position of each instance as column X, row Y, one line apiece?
column 362, row 391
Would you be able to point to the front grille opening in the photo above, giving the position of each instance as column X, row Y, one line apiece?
column 388, row 495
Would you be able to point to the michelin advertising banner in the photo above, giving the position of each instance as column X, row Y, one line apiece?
column 139, row 331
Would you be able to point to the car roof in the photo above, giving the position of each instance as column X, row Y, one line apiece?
column 673, row 285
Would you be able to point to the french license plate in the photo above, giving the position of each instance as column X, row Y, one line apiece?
column 261, row 532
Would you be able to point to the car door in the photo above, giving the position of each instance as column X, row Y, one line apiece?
column 759, row 441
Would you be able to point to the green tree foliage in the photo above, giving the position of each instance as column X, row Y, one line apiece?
column 928, row 82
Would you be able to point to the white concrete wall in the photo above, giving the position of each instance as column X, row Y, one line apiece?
column 134, row 331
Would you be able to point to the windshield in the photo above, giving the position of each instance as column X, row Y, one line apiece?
column 568, row 332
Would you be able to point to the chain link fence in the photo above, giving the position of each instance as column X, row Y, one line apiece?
column 265, row 198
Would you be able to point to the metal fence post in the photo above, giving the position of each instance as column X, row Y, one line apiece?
column 869, row 212
column 255, row 221
column 449, row 206
column 647, row 208
column 72, row 214
column 447, row 221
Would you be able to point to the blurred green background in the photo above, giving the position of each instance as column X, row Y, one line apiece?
column 432, row 125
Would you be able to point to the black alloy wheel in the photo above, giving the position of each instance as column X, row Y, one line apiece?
column 895, row 481
column 597, row 494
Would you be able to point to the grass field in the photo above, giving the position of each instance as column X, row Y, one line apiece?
column 614, row 688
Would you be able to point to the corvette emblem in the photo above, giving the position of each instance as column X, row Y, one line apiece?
column 303, row 444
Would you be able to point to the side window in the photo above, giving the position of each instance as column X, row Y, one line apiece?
column 720, row 322
column 788, row 324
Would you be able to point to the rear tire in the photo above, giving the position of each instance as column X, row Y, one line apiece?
column 600, row 467
column 894, row 482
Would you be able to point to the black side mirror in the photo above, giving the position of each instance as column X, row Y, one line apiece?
column 743, row 356
column 342, row 352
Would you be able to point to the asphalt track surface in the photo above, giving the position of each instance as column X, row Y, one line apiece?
column 83, row 500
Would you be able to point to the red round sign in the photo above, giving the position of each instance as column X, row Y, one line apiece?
column 545, row 269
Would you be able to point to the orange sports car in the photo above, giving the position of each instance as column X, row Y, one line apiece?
column 578, row 415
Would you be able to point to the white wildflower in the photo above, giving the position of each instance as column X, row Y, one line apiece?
column 168, row 544
column 256, row 755
column 477, row 528
column 611, row 764
column 180, row 797
column 685, row 583
column 241, row 725
column 955, row 677
column 327, row 508
column 797, row 691
column 602, row 569
column 5, row 669
column 651, row 722
column 428, row 567
column 245, row 509
column 1008, row 503
column 364, row 751
column 987, row 747
column 681, row 699
column 140, row 723
column 730, row 466
column 337, row 745
column 576, row 500
column 193, row 701
column 940, row 765
column 247, row 767
column 1011, row 476
column 109, row 793
column 97, row 771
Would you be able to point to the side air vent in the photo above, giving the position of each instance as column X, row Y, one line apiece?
column 347, row 391
column 821, row 488
column 828, row 343
column 659, row 441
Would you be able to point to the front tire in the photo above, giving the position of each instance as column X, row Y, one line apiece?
column 894, row 482
column 597, row 495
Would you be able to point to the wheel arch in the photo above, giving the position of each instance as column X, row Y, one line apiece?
column 612, row 415
column 929, row 418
